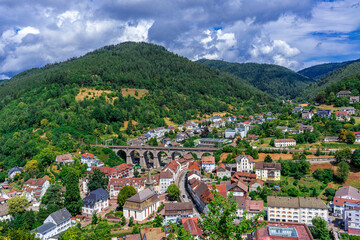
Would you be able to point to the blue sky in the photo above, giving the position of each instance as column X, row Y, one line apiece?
column 294, row 34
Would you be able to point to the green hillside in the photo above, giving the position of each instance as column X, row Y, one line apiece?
column 312, row 90
column 276, row 80
column 319, row 71
column 63, row 105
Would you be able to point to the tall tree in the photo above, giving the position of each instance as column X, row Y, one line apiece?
column 97, row 180
column 72, row 195
column 54, row 196
column 268, row 158
column 320, row 231
column 343, row 170
column 355, row 158
column 173, row 192
column 125, row 193
column 219, row 222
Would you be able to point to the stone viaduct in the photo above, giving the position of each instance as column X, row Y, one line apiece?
column 144, row 153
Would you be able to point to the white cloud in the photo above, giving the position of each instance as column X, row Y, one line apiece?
column 3, row 77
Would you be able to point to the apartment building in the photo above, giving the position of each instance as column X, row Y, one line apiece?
column 244, row 163
column 284, row 142
column 296, row 209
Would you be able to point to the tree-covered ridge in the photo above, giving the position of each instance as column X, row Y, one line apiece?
column 38, row 108
column 313, row 89
column 276, row 80
column 319, row 71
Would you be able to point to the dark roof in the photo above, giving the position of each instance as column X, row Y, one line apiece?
column 141, row 196
column 178, row 206
column 46, row 227
column 268, row 165
column 95, row 196
column 14, row 169
column 61, row 215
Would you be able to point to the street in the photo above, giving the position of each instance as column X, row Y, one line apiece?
column 181, row 183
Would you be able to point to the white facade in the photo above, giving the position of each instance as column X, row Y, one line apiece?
column 165, row 183
column 140, row 215
column 284, row 142
column 244, row 163
column 221, row 173
column 351, row 219
column 296, row 211
column 208, row 167
column 98, row 207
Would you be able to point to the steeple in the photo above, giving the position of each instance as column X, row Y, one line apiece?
column 149, row 183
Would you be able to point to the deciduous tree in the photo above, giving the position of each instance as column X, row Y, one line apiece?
column 17, row 205
column 343, row 170
column 97, row 180
column 173, row 192
column 125, row 193
column 72, row 195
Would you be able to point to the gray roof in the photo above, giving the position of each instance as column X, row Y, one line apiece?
column 61, row 215
column 141, row 196
column 47, row 227
column 14, row 169
column 95, row 196
column 296, row 202
column 348, row 190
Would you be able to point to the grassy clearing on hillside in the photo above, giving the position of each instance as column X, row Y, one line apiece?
column 134, row 92
column 126, row 125
column 353, row 179
column 169, row 122
column 92, row 93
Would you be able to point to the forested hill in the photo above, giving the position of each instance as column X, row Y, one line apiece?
column 276, row 80
column 319, row 71
column 87, row 98
column 336, row 76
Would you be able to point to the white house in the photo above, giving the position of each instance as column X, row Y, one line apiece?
column 64, row 158
column 349, row 110
column 13, row 171
column 166, row 179
column 268, row 171
column 97, row 201
column 244, row 163
column 222, row 171
column 342, row 116
column 34, row 189
column 343, row 196
column 4, row 213
column 141, row 205
column 194, row 174
column 284, row 142
column 54, row 224
column 91, row 160
column 208, row 163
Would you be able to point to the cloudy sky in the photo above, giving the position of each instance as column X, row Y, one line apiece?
column 294, row 34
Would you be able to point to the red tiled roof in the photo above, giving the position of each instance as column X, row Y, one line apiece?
column 208, row 160
column 35, row 182
column 341, row 113
column 87, row 155
column 261, row 182
column 191, row 225
column 64, row 158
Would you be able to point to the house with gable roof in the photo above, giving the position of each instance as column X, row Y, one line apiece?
column 54, row 224
column 13, row 171
column 97, row 201
column 344, row 197
column 34, row 189
column 244, row 163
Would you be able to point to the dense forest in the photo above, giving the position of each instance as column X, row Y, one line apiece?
column 318, row 71
column 41, row 108
column 313, row 89
column 276, row 80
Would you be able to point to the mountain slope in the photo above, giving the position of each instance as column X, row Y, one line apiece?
column 311, row 91
column 276, row 80
column 319, row 71
column 86, row 99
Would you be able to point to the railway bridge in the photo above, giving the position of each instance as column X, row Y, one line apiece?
column 155, row 156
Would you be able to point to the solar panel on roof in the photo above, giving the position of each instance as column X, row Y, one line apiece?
column 282, row 231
